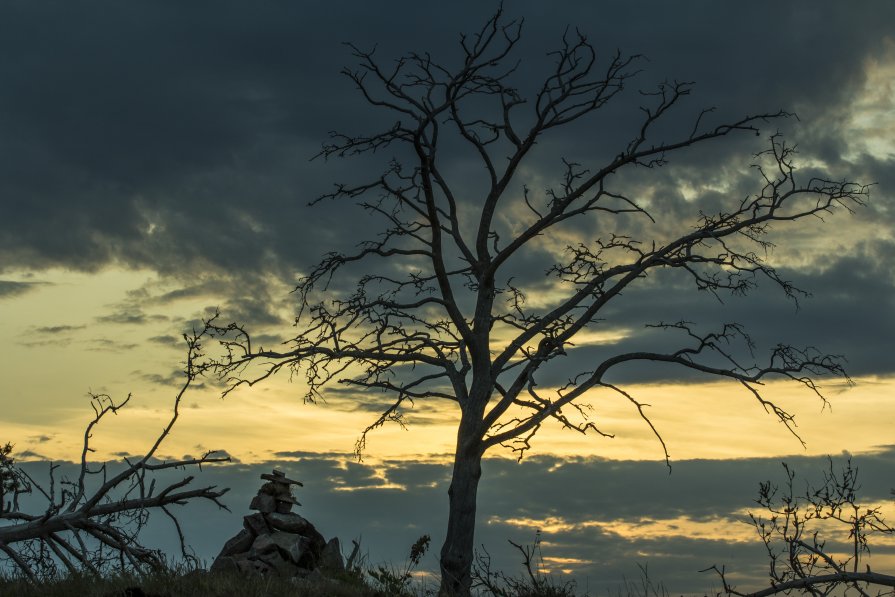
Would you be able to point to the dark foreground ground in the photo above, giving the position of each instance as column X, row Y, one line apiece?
column 349, row 584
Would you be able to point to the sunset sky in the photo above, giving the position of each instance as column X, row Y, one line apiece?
column 155, row 166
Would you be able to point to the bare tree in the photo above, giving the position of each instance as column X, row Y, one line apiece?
column 817, row 539
column 442, row 317
column 92, row 523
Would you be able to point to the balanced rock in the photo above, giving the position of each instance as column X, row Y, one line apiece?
column 276, row 541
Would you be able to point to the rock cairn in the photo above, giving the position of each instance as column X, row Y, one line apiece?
column 274, row 540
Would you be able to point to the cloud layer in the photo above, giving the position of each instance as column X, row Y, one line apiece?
column 176, row 139
column 597, row 518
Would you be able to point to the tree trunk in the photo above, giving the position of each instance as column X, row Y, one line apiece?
column 456, row 554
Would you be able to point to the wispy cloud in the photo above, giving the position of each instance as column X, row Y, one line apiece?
column 109, row 345
column 12, row 288
column 57, row 329
column 167, row 340
column 130, row 317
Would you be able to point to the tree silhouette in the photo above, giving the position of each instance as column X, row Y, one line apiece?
column 442, row 308
column 817, row 538
column 92, row 524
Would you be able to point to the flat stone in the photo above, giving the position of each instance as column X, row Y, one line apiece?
column 283, row 507
column 256, row 524
column 240, row 543
column 263, row 503
column 290, row 523
column 279, row 476
column 276, row 490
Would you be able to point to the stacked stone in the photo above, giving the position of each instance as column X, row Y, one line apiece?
column 275, row 540
column 276, row 494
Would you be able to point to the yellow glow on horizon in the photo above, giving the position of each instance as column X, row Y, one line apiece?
column 731, row 530
column 45, row 408
column 707, row 421
column 723, row 420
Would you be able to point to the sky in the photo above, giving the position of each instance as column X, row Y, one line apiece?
column 155, row 165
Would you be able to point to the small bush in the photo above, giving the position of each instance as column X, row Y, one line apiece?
column 392, row 582
column 534, row 584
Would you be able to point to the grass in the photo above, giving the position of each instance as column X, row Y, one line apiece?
column 358, row 580
column 347, row 584
column 172, row 584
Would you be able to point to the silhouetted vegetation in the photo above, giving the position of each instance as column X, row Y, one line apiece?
column 817, row 537
column 534, row 583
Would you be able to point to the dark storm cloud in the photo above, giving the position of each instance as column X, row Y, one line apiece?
column 176, row 137
column 181, row 137
column 387, row 506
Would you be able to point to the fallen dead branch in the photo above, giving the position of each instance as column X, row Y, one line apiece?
column 92, row 523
